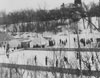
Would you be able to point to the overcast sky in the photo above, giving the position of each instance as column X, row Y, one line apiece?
column 12, row 5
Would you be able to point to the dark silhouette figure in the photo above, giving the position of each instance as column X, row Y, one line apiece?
column 89, row 66
column 46, row 60
column 66, row 40
column 91, row 39
column 65, row 59
column 35, row 59
column 77, row 55
column 82, row 41
column 51, row 43
column 7, row 51
column 7, row 55
column 4, row 46
column 88, row 41
column 60, row 41
column 92, row 58
column 57, row 63
column 74, row 40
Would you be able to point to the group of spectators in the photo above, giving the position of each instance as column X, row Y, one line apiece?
column 86, row 41
column 51, row 43
column 63, row 42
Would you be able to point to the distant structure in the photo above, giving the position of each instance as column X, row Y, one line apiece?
column 63, row 5
column 77, row 2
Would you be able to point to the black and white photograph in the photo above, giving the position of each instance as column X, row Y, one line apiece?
column 49, row 38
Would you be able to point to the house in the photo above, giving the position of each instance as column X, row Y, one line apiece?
column 5, row 38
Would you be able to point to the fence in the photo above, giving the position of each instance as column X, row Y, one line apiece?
column 66, row 49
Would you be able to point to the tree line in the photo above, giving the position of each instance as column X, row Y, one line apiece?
column 49, row 19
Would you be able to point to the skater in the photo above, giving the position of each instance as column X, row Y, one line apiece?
column 60, row 41
column 46, row 60
column 83, row 41
column 57, row 63
column 77, row 55
column 92, row 58
column 7, row 50
column 65, row 59
column 74, row 40
column 35, row 59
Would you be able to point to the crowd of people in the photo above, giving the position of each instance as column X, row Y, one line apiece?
column 53, row 42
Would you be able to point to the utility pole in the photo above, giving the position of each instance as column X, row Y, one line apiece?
column 79, row 48
column 78, row 4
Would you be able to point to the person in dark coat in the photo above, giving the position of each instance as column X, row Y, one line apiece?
column 4, row 46
column 88, row 41
column 92, row 58
column 89, row 66
column 91, row 39
column 46, row 60
column 57, row 63
column 65, row 59
column 74, row 40
column 60, row 41
column 83, row 41
column 50, row 43
column 77, row 55
column 35, row 59
column 66, row 40
column 65, row 43
column 7, row 50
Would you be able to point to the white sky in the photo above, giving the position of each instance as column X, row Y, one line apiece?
column 12, row 5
